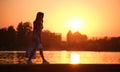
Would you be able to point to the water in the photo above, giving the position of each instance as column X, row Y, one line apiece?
column 62, row 57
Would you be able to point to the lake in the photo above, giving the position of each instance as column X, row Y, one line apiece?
column 62, row 57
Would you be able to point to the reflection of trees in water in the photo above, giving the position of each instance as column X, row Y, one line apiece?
column 12, row 58
column 62, row 57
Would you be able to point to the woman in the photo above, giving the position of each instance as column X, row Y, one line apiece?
column 38, row 26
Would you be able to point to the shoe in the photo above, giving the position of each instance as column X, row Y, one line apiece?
column 29, row 62
column 45, row 62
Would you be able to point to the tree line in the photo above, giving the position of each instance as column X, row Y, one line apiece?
column 21, row 39
column 101, row 44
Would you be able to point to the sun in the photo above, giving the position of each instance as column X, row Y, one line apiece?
column 75, row 25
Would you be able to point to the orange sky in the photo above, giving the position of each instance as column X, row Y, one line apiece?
column 97, row 17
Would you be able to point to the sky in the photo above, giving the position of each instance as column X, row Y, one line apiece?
column 95, row 18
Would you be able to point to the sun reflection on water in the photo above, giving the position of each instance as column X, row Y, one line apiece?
column 62, row 57
column 75, row 58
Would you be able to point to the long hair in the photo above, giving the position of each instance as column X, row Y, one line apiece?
column 38, row 23
column 39, row 16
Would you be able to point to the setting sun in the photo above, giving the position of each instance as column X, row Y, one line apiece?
column 76, row 25
column 91, row 17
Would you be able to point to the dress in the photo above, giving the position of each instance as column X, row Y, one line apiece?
column 38, row 26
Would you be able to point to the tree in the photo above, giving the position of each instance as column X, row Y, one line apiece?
column 3, row 40
column 24, row 34
column 11, row 33
column 51, row 41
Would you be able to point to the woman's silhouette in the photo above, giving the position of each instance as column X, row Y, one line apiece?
column 38, row 26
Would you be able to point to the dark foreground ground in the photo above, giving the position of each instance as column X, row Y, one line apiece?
column 60, row 68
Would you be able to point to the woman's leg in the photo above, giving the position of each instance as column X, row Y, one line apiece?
column 41, row 53
column 40, row 47
column 42, row 56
